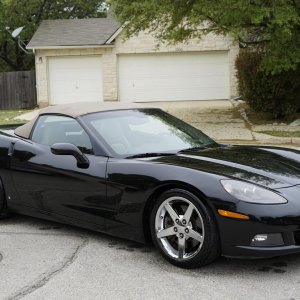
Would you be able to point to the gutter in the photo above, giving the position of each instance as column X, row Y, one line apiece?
column 69, row 47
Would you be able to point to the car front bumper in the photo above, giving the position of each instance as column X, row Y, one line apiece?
column 237, row 239
column 284, row 220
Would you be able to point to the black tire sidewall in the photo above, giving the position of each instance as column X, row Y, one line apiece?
column 210, row 249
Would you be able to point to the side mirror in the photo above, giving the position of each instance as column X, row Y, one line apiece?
column 70, row 149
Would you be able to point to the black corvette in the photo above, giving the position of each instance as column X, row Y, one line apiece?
column 142, row 174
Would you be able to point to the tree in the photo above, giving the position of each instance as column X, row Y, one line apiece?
column 30, row 13
column 272, row 26
column 278, row 95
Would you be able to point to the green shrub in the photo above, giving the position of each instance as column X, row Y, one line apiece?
column 277, row 94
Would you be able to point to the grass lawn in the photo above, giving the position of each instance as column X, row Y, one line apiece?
column 282, row 133
column 7, row 116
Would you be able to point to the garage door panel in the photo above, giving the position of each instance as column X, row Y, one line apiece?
column 165, row 82
column 166, row 95
column 169, row 77
column 75, row 79
column 70, row 96
column 69, row 62
column 77, row 75
column 162, row 85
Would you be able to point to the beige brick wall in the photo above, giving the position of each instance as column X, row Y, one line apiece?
column 144, row 43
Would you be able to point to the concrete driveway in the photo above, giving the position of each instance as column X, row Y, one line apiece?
column 215, row 118
column 219, row 119
column 45, row 260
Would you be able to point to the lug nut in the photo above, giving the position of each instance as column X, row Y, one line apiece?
column 177, row 221
column 183, row 222
column 181, row 235
column 186, row 230
column 175, row 229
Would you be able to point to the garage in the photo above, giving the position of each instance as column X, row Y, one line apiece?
column 174, row 77
column 100, row 64
column 75, row 79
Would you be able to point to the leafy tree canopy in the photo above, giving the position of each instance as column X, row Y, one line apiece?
column 272, row 26
column 30, row 13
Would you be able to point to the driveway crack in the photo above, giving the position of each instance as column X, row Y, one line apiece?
column 47, row 276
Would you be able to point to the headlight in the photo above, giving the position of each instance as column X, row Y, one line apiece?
column 251, row 193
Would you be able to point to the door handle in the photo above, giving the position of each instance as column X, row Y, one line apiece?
column 11, row 149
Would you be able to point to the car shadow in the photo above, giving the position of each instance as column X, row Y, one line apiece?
column 276, row 266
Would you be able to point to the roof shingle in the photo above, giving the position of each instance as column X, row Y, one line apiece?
column 74, row 32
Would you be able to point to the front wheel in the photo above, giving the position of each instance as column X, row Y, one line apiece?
column 184, row 230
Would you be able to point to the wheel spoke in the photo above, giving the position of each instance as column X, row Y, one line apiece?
column 181, row 248
column 188, row 214
column 179, row 228
column 171, row 212
column 195, row 235
column 166, row 232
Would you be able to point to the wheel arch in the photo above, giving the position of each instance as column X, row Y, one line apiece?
column 162, row 189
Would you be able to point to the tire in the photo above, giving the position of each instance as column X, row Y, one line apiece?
column 184, row 230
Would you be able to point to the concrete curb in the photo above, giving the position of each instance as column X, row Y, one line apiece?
column 266, row 138
column 262, row 138
column 269, row 139
column 260, row 143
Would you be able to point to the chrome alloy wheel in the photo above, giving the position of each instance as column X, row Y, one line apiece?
column 179, row 228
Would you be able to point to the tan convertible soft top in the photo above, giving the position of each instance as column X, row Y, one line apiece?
column 75, row 110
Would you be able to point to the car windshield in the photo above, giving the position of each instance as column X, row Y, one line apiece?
column 132, row 132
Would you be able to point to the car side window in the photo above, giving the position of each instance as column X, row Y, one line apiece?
column 51, row 129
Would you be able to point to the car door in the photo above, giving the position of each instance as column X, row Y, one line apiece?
column 54, row 184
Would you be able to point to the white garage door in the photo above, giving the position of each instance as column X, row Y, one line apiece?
column 171, row 77
column 75, row 79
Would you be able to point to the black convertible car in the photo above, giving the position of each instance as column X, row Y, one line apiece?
column 142, row 174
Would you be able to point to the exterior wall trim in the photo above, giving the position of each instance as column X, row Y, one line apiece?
column 111, row 39
column 70, row 47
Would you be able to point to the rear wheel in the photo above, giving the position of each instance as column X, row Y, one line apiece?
column 184, row 230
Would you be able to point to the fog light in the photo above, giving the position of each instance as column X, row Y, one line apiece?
column 267, row 240
column 260, row 238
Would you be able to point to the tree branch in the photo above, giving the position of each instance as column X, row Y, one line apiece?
column 4, row 56
column 8, row 61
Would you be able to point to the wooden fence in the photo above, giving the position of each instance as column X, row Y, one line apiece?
column 17, row 90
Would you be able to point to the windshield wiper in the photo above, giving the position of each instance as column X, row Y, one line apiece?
column 150, row 154
column 193, row 149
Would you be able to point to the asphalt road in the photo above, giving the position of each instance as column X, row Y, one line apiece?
column 44, row 260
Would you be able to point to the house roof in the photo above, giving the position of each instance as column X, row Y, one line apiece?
column 74, row 32
column 75, row 110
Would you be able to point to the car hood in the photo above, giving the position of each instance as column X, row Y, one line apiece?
column 267, row 166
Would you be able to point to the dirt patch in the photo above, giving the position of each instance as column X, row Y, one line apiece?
column 262, row 118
